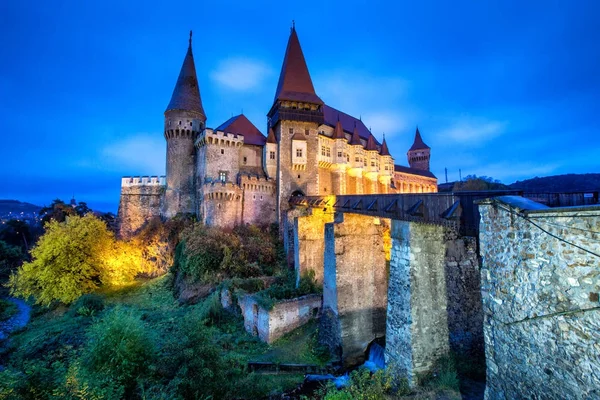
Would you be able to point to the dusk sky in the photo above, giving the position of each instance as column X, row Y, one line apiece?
column 507, row 89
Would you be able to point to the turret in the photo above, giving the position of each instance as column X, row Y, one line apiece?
column 340, row 144
column 295, row 116
column 419, row 153
column 270, row 155
column 184, row 120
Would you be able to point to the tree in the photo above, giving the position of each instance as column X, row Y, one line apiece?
column 57, row 211
column 475, row 183
column 17, row 233
column 10, row 258
column 73, row 258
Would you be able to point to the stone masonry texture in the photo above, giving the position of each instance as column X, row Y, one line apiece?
column 540, row 300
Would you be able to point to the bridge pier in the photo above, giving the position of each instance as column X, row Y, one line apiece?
column 354, row 285
column 417, row 323
column 309, row 242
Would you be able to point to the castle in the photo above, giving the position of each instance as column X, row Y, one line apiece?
column 234, row 174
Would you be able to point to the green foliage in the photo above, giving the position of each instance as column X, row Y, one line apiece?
column 287, row 290
column 475, row 183
column 73, row 258
column 118, row 352
column 88, row 305
column 366, row 386
column 444, row 374
column 210, row 255
column 7, row 309
column 10, row 259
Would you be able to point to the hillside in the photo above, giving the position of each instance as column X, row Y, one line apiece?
column 560, row 183
column 17, row 207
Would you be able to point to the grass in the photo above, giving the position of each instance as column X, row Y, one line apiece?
column 40, row 357
column 7, row 309
column 299, row 346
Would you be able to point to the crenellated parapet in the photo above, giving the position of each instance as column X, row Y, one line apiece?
column 226, row 191
column 130, row 181
column 258, row 184
column 214, row 137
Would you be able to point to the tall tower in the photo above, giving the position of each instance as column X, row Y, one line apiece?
column 295, row 116
column 419, row 153
column 184, row 120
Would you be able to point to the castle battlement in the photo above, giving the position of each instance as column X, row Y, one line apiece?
column 257, row 184
column 210, row 136
column 130, row 181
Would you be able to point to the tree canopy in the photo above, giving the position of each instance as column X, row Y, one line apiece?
column 477, row 183
column 73, row 258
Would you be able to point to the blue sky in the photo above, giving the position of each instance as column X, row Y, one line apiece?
column 508, row 89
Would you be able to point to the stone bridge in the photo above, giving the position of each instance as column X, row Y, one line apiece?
column 423, row 246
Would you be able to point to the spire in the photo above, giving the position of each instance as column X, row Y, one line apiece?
column 338, row 133
column 384, row 149
column 271, row 136
column 294, row 80
column 186, row 95
column 371, row 144
column 355, row 139
column 418, row 143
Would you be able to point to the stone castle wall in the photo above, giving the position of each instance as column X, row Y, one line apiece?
column 141, row 199
column 259, row 205
column 284, row 317
column 540, row 300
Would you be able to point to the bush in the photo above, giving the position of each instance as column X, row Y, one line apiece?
column 287, row 290
column 119, row 351
column 88, row 305
column 210, row 255
column 366, row 386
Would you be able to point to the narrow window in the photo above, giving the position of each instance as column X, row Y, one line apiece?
column 298, row 176
column 222, row 176
column 306, row 132
column 245, row 160
column 179, row 122
column 299, row 153
column 291, row 130
column 272, row 155
column 323, row 151
column 190, row 124
column 328, row 152
column 339, row 154
column 222, row 151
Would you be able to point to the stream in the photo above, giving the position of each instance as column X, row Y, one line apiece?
column 18, row 320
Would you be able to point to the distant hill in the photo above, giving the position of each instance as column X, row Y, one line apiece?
column 560, row 183
column 17, row 207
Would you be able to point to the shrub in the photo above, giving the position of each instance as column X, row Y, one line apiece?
column 210, row 254
column 366, row 386
column 88, row 305
column 287, row 290
column 119, row 351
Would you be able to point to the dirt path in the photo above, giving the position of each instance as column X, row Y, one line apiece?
column 18, row 320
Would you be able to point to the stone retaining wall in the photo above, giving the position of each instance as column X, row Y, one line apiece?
column 540, row 286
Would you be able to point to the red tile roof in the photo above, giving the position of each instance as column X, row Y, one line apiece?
column 418, row 143
column 240, row 125
column 349, row 123
column 338, row 133
column 384, row 149
column 371, row 144
column 355, row 139
column 295, row 83
column 186, row 95
column 298, row 136
column 413, row 171
column 271, row 136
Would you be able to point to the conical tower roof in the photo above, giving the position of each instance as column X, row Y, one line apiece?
column 271, row 136
column 338, row 133
column 295, row 83
column 371, row 144
column 186, row 95
column 355, row 139
column 418, row 143
column 384, row 149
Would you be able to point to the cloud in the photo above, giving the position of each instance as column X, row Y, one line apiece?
column 472, row 131
column 141, row 154
column 241, row 74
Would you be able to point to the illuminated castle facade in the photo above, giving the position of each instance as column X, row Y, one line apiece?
column 234, row 174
